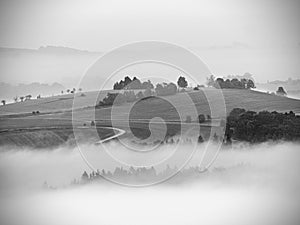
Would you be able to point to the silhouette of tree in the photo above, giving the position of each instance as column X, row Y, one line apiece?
column 181, row 82
column 28, row 97
column 200, row 139
column 22, row 98
column 201, row 118
column 281, row 91
column 3, row 102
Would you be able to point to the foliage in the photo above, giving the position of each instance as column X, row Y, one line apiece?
column 281, row 91
column 165, row 89
column 182, row 82
column 131, row 84
column 230, row 84
column 201, row 118
column 262, row 126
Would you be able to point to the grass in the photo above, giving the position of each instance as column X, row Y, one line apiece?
column 135, row 117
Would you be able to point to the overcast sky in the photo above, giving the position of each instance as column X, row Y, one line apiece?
column 231, row 36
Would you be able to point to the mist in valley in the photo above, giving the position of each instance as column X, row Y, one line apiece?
column 256, row 184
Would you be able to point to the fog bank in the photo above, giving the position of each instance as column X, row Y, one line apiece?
column 246, row 185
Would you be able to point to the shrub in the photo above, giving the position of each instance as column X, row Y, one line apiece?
column 201, row 118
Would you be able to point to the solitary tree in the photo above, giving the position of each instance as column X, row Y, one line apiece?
column 281, row 91
column 201, row 118
column 200, row 139
column 22, row 98
column 181, row 82
column 3, row 102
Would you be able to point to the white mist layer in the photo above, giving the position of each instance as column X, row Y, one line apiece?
column 248, row 185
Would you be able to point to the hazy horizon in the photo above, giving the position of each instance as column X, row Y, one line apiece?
column 232, row 37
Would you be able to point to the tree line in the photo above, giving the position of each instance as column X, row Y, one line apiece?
column 263, row 126
column 234, row 83
column 130, row 84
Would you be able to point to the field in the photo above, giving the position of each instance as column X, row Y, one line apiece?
column 55, row 117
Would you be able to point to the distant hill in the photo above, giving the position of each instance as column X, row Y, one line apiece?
column 49, row 49
column 47, row 64
column 291, row 86
column 8, row 91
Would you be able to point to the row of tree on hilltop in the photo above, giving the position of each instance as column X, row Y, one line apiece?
column 135, row 83
column 230, row 83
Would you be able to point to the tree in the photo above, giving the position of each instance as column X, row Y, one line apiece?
column 147, row 85
column 182, row 82
column 68, row 90
column 92, row 123
column 166, row 89
column 201, row 118
column 219, row 83
column 244, row 82
column 135, row 84
column 38, row 97
column 62, row 92
column 85, row 177
column 28, row 97
column 3, row 102
column 127, row 81
column 250, row 84
column 147, row 92
column 281, row 91
column 129, row 96
column 200, row 139
column 22, row 98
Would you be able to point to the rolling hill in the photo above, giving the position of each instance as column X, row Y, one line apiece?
column 56, row 111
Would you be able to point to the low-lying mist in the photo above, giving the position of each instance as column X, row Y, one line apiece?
column 257, row 184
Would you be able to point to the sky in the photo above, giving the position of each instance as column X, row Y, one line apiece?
column 232, row 36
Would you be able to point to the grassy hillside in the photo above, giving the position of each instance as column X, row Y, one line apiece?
column 139, row 112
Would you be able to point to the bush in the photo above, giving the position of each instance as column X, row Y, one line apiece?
column 263, row 126
column 201, row 118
